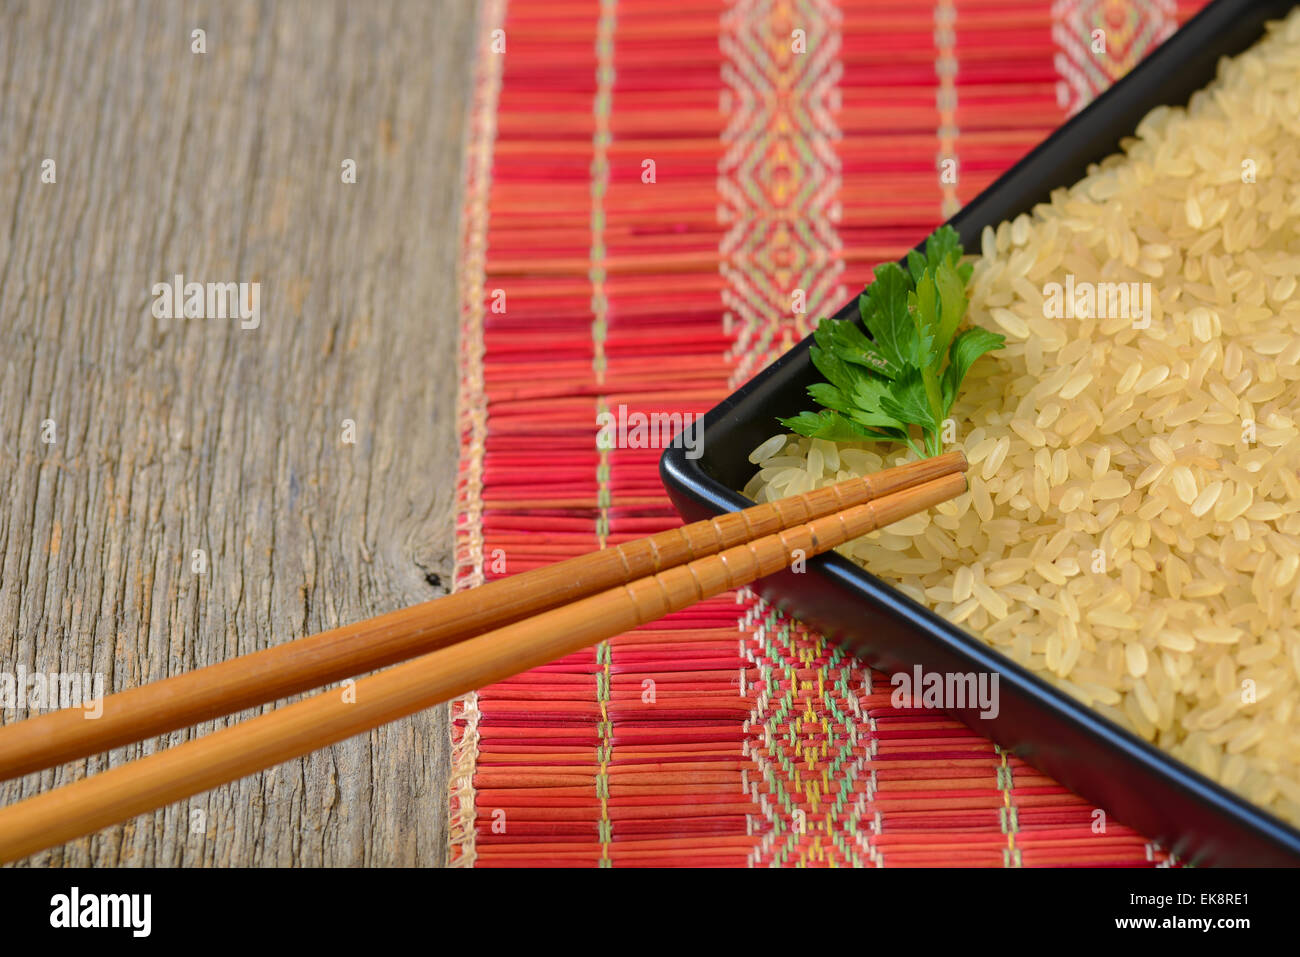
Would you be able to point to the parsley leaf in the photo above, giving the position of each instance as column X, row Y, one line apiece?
column 830, row 397
column 966, row 348
column 884, row 311
column 908, row 372
column 829, row 425
column 869, row 397
column 851, row 345
column 908, row 402
column 952, row 307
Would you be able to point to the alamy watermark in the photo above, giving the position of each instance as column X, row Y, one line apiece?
column 38, row 691
column 133, row 912
column 622, row 429
column 1098, row 300
column 179, row 299
column 946, row 691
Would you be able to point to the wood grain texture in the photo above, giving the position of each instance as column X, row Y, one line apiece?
column 179, row 434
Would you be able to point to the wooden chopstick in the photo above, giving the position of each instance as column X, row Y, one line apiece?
column 296, row 729
column 307, row 663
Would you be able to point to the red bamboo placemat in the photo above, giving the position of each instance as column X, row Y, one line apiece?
column 660, row 198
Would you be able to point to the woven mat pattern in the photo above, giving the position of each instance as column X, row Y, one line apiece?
column 660, row 199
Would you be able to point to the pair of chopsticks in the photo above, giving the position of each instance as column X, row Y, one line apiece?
column 464, row 641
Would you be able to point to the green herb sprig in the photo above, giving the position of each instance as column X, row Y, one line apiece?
column 909, row 370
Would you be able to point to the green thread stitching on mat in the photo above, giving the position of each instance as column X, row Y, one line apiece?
column 1007, row 814
column 603, row 497
column 781, row 654
column 604, row 750
column 602, row 107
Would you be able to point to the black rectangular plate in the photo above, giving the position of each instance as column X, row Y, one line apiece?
column 1137, row 783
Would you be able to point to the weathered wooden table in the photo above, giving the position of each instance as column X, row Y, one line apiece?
column 129, row 443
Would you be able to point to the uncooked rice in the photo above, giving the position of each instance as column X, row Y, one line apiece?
column 1132, row 530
